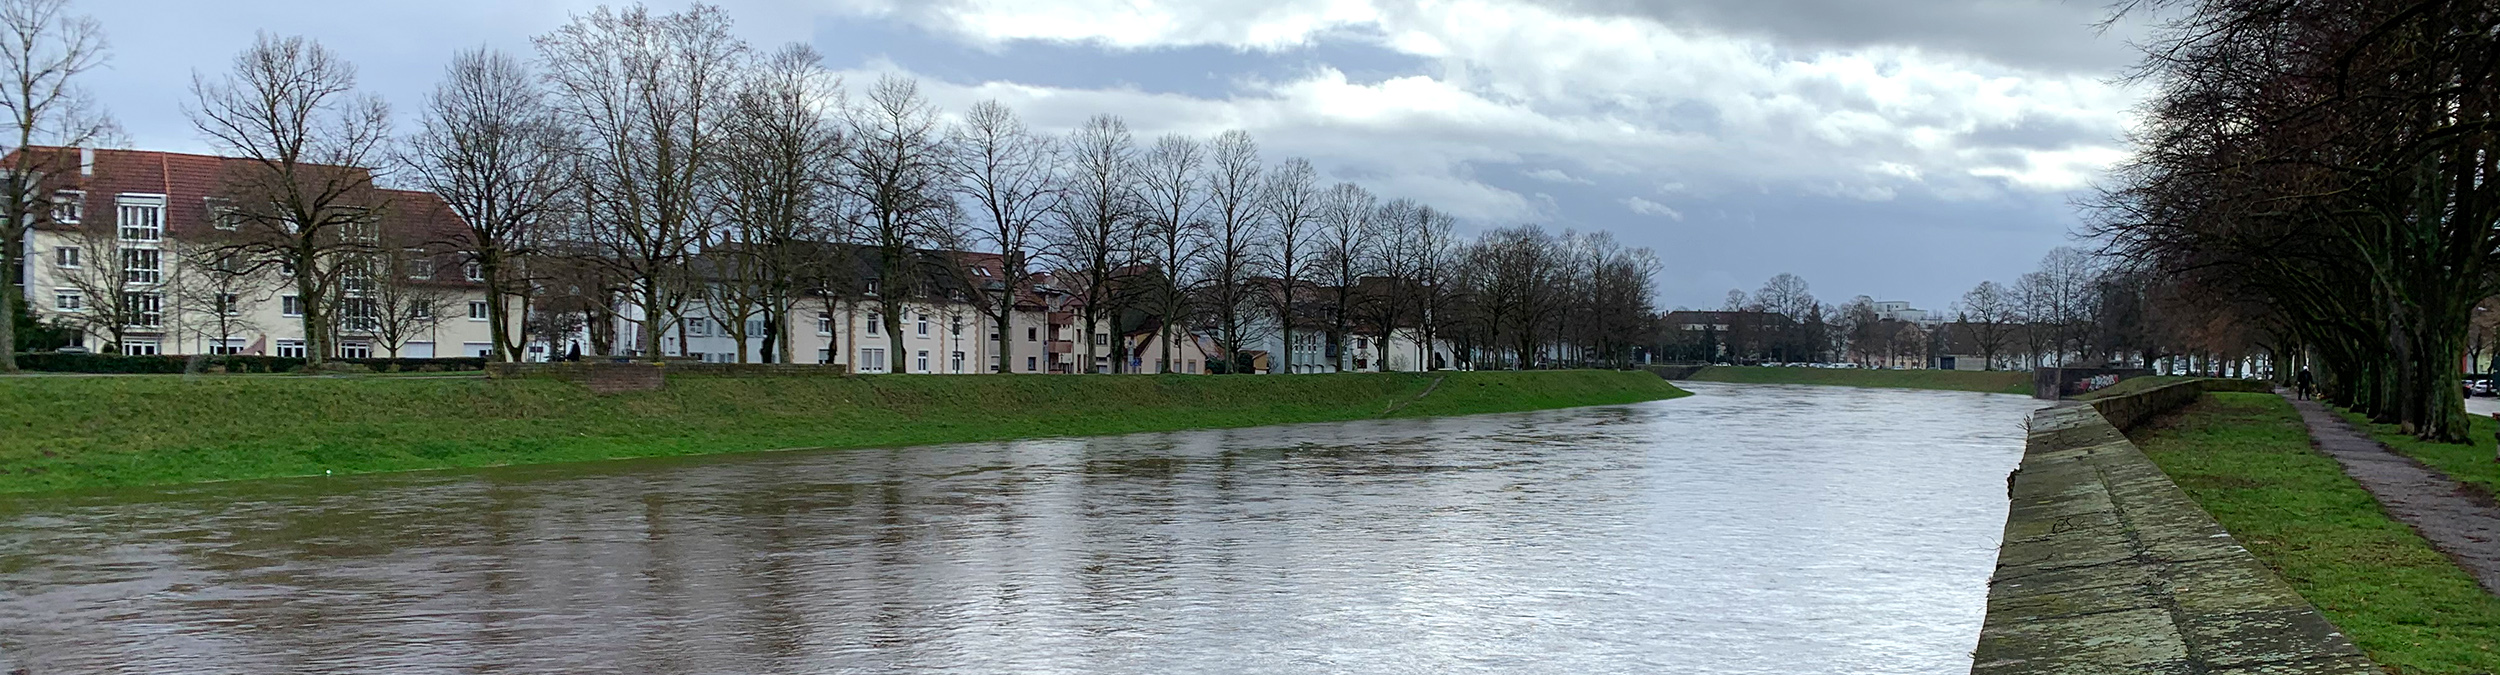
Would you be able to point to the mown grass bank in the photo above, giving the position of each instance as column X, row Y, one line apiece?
column 2246, row 459
column 1997, row 382
column 76, row 432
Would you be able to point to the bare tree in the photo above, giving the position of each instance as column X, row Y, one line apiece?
column 216, row 293
column 1434, row 249
column 898, row 171
column 503, row 160
column 1988, row 315
column 300, row 193
column 120, row 286
column 1012, row 177
column 1173, row 235
column 1234, row 242
column 1381, row 301
column 1098, row 216
column 1291, row 201
column 647, row 92
column 1344, row 247
column 777, row 189
column 43, row 50
column 402, row 297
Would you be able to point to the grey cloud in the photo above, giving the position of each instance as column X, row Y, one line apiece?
column 2047, row 34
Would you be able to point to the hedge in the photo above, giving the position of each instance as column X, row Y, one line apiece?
column 114, row 363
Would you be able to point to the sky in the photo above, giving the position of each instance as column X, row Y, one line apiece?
column 1901, row 149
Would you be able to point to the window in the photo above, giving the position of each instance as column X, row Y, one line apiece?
column 1031, row 363
column 473, row 271
column 147, row 310
column 139, row 348
column 824, row 356
column 358, row 315
column 290, row 305
column 697, row 327
column 419, row 266
column 1193, row 366
column 955, row 327
column 872, row 287
column 68, row 300
column 225, row 346
column 355, row 277
column 1031, row 333
column 1102, row 339
column 228, row 304
column 478, row 310
column 286, row 266
column 755, row 327
column 221, row 214
column 68, row 206
column 141, row 218
column 922, row 326
column 824, row 324
column 355, row 350
column 876, row 324
column 66, row 257
column 920, row 362
column 291, row 349
column 871, row 360
column 139, row 266
column 421, row 311
column 955, row 363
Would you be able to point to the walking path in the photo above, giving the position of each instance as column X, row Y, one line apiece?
column 2457, row 520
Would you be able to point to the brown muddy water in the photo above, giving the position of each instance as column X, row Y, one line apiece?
column 1749, row 529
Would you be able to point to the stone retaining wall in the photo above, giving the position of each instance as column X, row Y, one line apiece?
column 2107, row 567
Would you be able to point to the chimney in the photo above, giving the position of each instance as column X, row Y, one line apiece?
column 86, row 161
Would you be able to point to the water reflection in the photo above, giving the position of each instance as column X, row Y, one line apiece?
column 1747, row 530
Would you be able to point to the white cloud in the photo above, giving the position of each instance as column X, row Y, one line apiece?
column 1649, row 208
column 1552, row 175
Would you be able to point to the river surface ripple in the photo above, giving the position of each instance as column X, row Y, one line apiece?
column 1749, row 529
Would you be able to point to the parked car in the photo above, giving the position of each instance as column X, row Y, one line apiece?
column 2478, row 386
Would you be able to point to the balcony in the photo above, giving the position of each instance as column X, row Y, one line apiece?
column 1059, row 346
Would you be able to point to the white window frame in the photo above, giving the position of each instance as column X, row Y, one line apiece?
column 225, row 346
column 132, row 273
column 147, row 309
column 473, row 271
column 142, row 347
column 922, row 326
column 871, row 360
column 69, row 300
column 920, row 362
column 150, row 229
column 290, row 349
column 74, row 202
column 221, row 214
column 955, row 362
column 419, row 266
column 290, row 306
column 824, row 323
column 68, row 257
column 349, row 348
column 876, row 323
column 229, row 304
column 480, row 311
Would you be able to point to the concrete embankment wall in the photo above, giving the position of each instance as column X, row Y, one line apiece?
column 2107, row 567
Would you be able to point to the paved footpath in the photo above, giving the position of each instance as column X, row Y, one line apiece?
column 2457, row 520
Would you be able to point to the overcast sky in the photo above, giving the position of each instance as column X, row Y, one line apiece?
column 1904, row 149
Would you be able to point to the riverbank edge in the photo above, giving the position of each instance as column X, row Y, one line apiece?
column 1986, row 381
column 2107, row 566
column 71, row 433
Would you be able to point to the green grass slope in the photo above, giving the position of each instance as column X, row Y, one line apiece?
column 1998, row 382
column 2246, row 458
column 2471, row 462
column 73, row 432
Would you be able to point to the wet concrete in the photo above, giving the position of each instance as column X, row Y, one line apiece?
column 2107, row 567
column 2456, row 519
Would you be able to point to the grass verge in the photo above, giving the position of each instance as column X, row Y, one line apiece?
column 1998, row 382
column 2247, row 459
column 79, row 432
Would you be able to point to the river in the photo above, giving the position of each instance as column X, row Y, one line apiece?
column 1748, row 529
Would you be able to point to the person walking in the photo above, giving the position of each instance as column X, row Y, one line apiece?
column 2306, row 384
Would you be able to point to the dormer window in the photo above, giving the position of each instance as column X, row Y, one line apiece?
column 68, row 206
column 222, row 215
column 473, row 271
column 141, row 218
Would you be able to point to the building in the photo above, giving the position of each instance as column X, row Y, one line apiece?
column 138, row 257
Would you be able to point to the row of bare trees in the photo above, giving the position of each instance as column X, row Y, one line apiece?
column 645, row 168
column 2325, row 172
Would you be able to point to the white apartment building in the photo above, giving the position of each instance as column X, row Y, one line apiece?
column 123, row 259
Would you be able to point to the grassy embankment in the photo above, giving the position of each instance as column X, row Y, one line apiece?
column 76, row 432
column 2133, row 385
column 2247, row 459
column 1995, row 382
